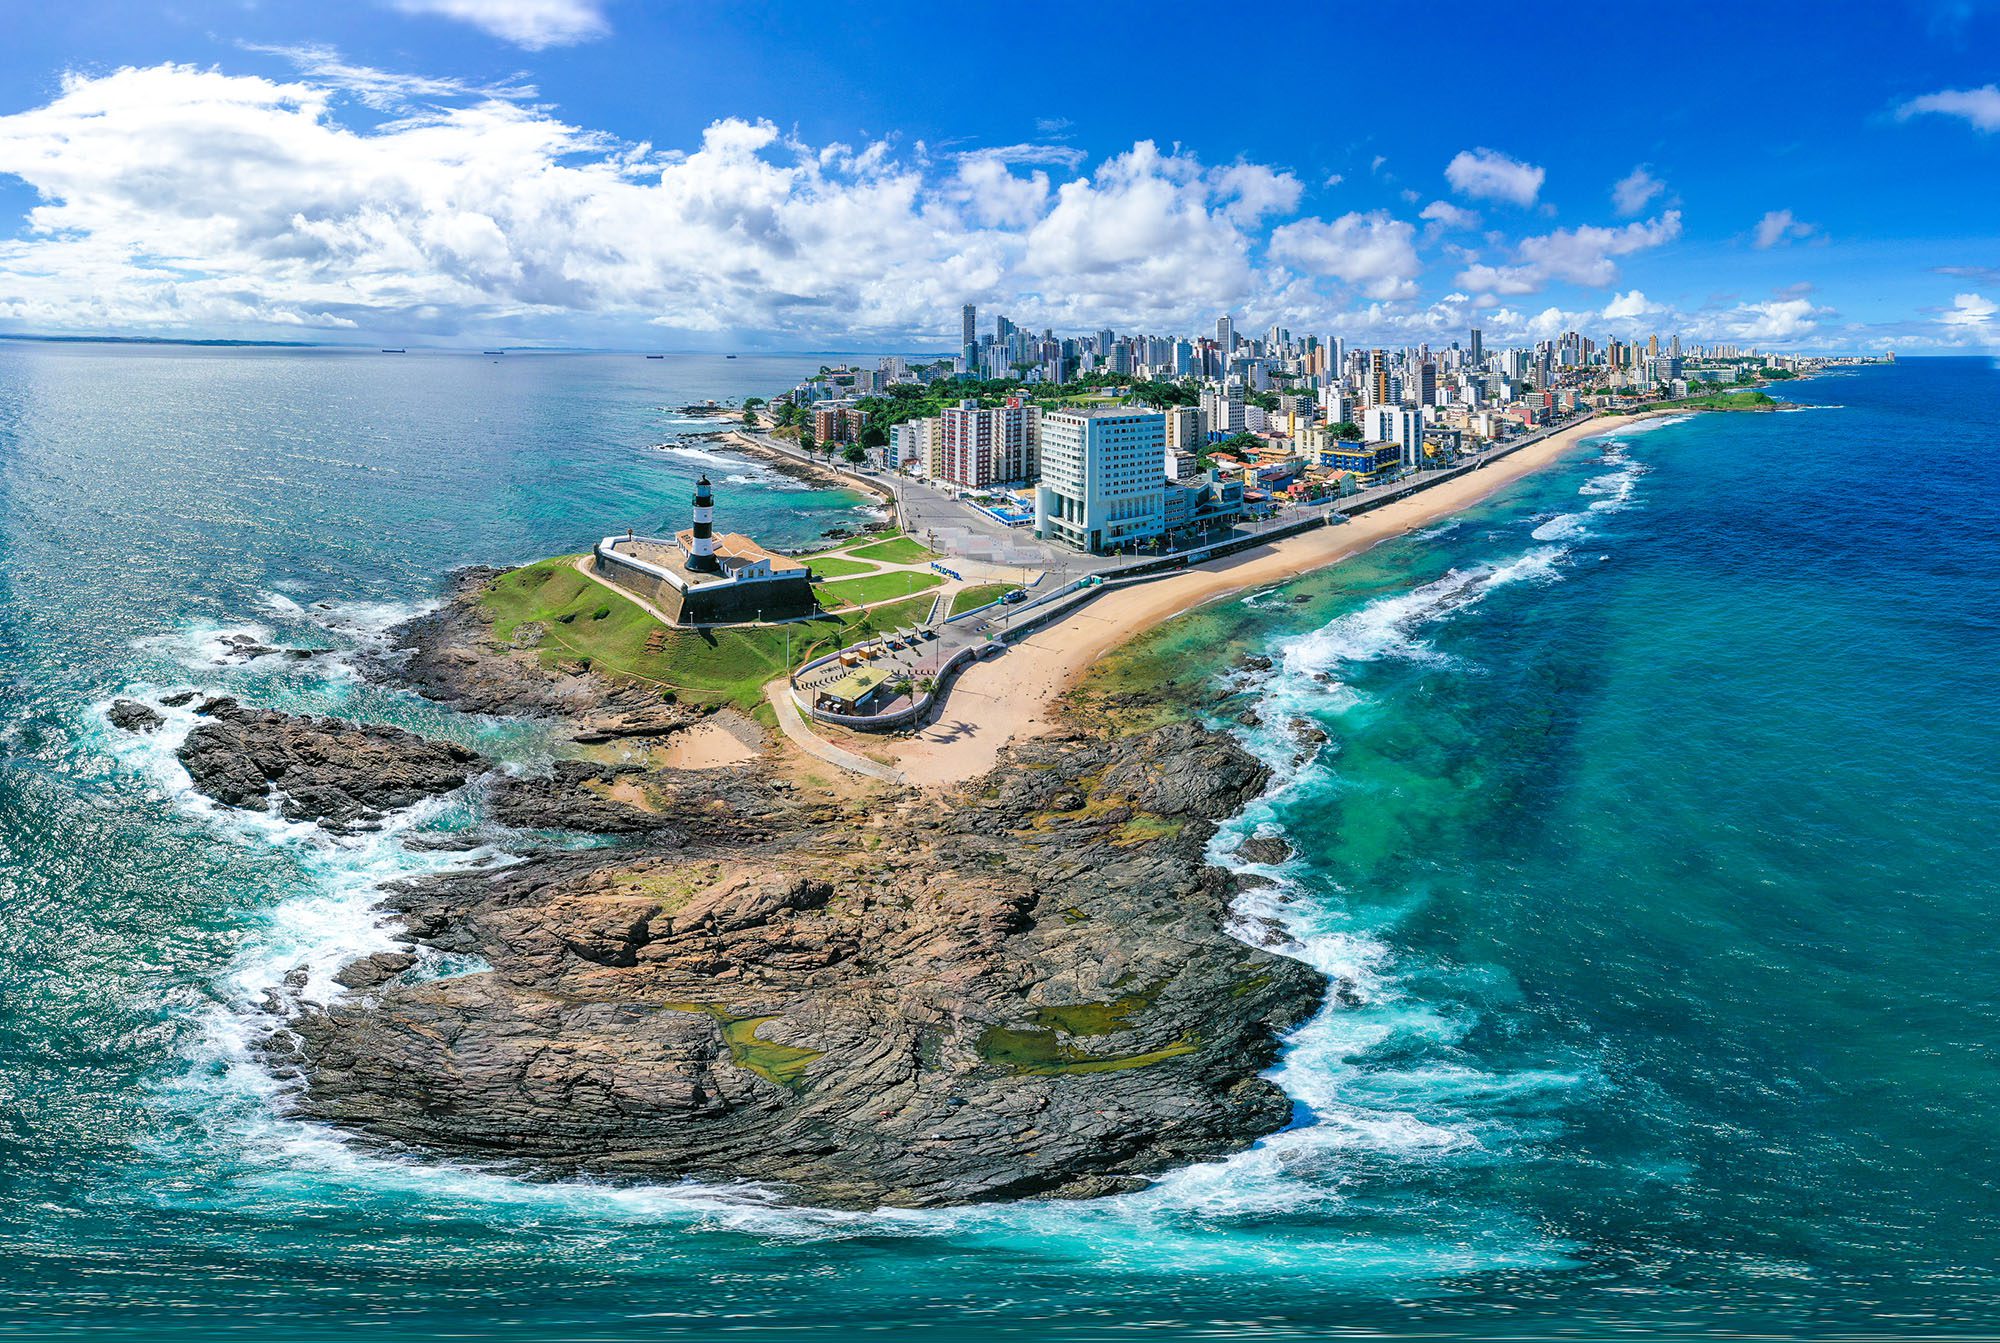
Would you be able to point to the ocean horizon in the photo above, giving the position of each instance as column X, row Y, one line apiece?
column 1643, row 817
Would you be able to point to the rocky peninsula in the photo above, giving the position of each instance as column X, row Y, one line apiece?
column 864, row 995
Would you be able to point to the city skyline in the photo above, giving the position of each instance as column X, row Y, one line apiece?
column 588, row 172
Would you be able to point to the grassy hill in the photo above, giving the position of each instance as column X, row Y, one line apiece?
column 582, row 620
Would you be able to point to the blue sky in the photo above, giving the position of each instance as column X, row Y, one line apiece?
column 762, row 175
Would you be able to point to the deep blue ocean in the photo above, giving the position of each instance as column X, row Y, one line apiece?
column 1656, row 836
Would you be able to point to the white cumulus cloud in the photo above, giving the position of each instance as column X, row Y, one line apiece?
column 1487, row 174
column 1624, row 307
column 1447, row 216
column 1778, row 320
column 1251, row 191
column 1632, row 193
column 1582, row 256
column 1980, row 106
column 1374, row 252
column 176, row 198
column 534, row 24
column 1969, row 310
column 1779, row 226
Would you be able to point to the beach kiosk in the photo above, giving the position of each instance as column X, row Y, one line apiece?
column 855, row 693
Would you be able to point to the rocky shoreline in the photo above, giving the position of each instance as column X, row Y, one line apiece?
column 864, row 995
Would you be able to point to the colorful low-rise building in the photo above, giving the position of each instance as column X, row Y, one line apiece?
column 1366, row 460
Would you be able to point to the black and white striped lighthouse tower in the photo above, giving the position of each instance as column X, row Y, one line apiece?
column 701, row 545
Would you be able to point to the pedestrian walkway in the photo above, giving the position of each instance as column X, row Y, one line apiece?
column 803, row 737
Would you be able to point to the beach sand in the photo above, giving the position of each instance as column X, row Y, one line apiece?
column 1013, row 696
column 708, row 745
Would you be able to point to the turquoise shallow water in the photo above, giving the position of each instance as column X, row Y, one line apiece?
column 1654, row 837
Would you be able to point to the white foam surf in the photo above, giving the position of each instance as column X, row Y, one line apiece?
column 1651, row 424
column 1393, row 626
column 1361, row 1109
column 1379, row 1071
column 742, row 469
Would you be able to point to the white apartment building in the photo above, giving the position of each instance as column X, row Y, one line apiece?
column 980, row 446
column 1102, row 481
column 1222, row 410
column 910, row 445
column 1400, row 425
column 1184, row 429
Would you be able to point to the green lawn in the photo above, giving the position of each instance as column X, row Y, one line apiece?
column 978, row 596
column 585, row 621
column 879, row 588
column 835, row 567
column 897, row 550
column 883, row 619
column 1712, row 401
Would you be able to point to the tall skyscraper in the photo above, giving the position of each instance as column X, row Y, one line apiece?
column 1475, row 348
column 1225, row 336
column 968, row 326
column 1103, row 478
column 1376, row 392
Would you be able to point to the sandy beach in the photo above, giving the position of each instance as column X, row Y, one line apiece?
column 1012, row 696
column 707, row 746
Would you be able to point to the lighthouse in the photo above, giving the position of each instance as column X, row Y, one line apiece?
column 701, row 545
column 701, row 577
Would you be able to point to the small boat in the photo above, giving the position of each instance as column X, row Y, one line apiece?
column 728, row 356
column 395, row 352
column 493, row 352
column 656, row 356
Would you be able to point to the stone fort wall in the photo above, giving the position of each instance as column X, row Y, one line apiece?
column 726, row 603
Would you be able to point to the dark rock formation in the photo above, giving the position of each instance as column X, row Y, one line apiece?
column 451, row 655
column 630, row 800
column 1022, row 990
column 130, row 715
column 876, row 997
column 344, row 775
column 1265, row 849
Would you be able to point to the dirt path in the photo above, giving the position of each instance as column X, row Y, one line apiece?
column 793, row 724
